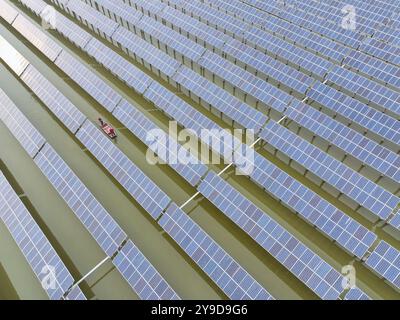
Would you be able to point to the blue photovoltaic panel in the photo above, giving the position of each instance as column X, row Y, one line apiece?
column 89, row 81
column 148, row 7
column 167, row 149
column 144, row 50
column 92, row 17
column 395, row 221
column 382, row 50
column 75, row 294
column 369, row 118
column 194, row 27
column 385, row 261
column 359, row 146
column 348, row 233
column 7, row 12
column 89, row 211
column 120, row 9
column 272, row 68
column 238, row 111
column 374, row 67
column 65, row 111
column 32, row 242
column 35, row 36
column 285, row 50
column 313, row 271
column 245, row 81
column 141, row 275
column 365, row 88
column 171, row 38
column 142, row 188
column 356, row 294
column 12, row 57
column 349, row 182
column 126, row 71
column 229, row 276
column 27, row 135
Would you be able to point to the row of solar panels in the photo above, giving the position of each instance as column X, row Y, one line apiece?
column 373, row 197
column 235, row 282
column 98, row 222
column 328, row 289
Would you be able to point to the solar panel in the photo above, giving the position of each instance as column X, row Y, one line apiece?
column 362, row 148
column 89, row 81
column 168, row 150
column 32, row 242
column 147, row 7
column 356, row 294
column 347, row 232
column 313, row 271
column 37, row 6
column 89, row 211
column 27, row 135
column 245, row 81
column 227, row 274
column 382, row 50
column 365, row 88
column 367, row 117
column 143, row 50
column 220, row 99
column 385, row 261
column 141, row 275
column 120, row 9
column 41, row 41
column 349, row 182
column 7, row 12
column 171, row 38
column 142, row 188
column 126, row 71
column 65, row 111
column 395, row 221
column 12, row 57
column 75, row 294
column 270, row 67
column 92, row 17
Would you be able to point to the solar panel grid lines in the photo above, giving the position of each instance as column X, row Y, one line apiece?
column 92, row 17
column 369, row 118
column 32, row 242
column 382, row 50
column 117, row 65
column 81, row 201
column 365, row 88
column 356, row 294
column 220, row 99
column 313, row 271
column 169, row 152
column 59, row 105
column 146, row 6
column 15, row 61
column 143, row 50
column 395, row 220
column 188, row 48
column 349, row 182
column 193, row 26
column 27, row 135
column 8, row 12
column 353, row 143
column 75, row 294
column 272, row 68
column 41, row 41
column 141, row 275
column 348, row 233
column 88, row 80
column 227, row 274
column 385, row 261
column 138, row 185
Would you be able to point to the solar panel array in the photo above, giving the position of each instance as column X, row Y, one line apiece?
column 32, row 242
column 313, row 271
column 230, row 277
column 243, row 43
